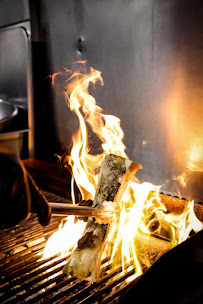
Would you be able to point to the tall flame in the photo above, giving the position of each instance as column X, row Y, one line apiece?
column 140, row 209
column 86, row 166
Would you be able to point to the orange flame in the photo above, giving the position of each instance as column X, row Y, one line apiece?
column 85, row 166
column 136, row 212
column 194, row 163
column 140, row 214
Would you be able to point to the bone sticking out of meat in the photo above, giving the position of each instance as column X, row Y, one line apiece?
column 116, row 174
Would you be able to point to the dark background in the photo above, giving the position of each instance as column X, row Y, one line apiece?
column 150, row 56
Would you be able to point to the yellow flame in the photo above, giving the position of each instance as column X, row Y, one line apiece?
column 180, row 226
column 64, row 240
column 182, row 179
column 85, row 166
column 137, row 211
column 195, row 162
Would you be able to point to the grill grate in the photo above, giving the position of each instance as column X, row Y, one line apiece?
column 25, row 278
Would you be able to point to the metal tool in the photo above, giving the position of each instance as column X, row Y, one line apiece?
column 63, row 209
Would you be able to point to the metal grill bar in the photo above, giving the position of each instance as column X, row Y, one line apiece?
column 27, row 278
column 33, row 276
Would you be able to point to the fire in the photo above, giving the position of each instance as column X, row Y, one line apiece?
column 194, row 163
column 182, row 178
column 140, row 210
column 64, row 240
column 86, row 166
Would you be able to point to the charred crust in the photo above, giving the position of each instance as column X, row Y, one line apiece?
column 86, row 203
column 104, row 230
column 112, row 192
column 87, row 240
column 122, row 169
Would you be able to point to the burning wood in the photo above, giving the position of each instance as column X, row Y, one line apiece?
column 116, row 174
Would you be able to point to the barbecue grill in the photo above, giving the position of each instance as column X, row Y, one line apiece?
column 27, row 278
column 149, row 55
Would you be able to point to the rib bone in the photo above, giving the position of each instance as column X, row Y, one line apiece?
column 116, row 174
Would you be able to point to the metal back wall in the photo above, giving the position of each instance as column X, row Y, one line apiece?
column 149, row 53
column 13, row 84
column 12, row 12
column 14, row 27
column 16, row 76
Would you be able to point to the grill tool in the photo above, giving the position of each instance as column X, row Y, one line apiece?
column 63, row 209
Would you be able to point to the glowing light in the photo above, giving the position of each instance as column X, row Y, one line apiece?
column 195, row 162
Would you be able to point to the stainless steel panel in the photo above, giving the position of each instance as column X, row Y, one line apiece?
column 13, row 78
column 16, row 77
column 150, row 56
column 12, row 11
